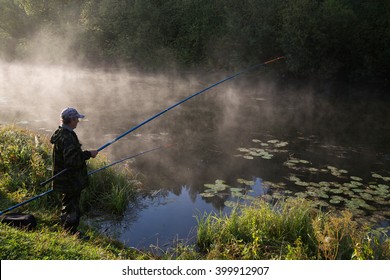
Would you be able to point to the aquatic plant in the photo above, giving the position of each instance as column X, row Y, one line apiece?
column 267, row 151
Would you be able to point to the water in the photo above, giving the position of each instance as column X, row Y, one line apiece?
column 245, row 139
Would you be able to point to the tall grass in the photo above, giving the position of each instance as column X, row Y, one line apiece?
column 289, row 229
column 111, row 188
column 25, row 160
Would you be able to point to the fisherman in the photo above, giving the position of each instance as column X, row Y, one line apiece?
column 67, row 154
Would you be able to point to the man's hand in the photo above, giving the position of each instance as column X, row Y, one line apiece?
column 94, row 153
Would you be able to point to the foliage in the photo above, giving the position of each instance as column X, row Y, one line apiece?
column 24, row 160
column 111, row 189
column 322, row 39
column 290, row 229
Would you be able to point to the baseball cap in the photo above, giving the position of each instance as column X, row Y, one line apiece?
column 71, row 113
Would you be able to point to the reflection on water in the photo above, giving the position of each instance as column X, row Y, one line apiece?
column 164, row 218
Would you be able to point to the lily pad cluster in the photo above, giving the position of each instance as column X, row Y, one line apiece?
column 355, row 194
column 303, row 165
column 220, row 189
column 267, row 150
column 325, row 185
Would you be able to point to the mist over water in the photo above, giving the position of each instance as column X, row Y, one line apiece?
column 207, row 131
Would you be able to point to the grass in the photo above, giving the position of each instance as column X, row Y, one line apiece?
column 289, row 229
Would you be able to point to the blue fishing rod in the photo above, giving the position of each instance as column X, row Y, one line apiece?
column 89, row 173
column 186, row 99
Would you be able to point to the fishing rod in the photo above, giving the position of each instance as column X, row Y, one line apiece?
column 89, row 173
column 186, row 99
column 170, row 108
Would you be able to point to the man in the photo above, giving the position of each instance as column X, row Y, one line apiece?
column 67, row 154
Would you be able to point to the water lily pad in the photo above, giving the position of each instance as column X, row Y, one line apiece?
column 268, row 156
column 323, row 195
column 237, row 194
column 331, row 167
column 274, row 141
column 361, row 203
column 245, row 182
column 218, row 186
column 349, row 185
column 236, row 189
column 293, row 178
column 207, row 194
column 366, row 196
column 256, row 140
column 301, row 194
column 356, row 183
column 312, row 193
column 375, row 175
column 257, row 153
column 248, row 157
column 336, row 173
column 212, row 190
column 336, row 191
column 301, row 183
column 248, row 197
column 281, row 144
column 336, row 199
column 231, row 204
column 354, row 178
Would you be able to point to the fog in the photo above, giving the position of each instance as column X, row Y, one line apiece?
column 206, row 130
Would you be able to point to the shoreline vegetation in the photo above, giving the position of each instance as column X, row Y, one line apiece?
column 287, row 229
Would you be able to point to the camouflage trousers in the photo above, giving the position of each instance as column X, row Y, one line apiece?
column 70, row 211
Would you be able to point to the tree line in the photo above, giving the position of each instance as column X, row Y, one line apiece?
column 323, row 39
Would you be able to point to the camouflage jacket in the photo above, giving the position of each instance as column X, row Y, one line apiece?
column 67, row 153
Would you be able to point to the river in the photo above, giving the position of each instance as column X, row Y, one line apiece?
column 249, row 138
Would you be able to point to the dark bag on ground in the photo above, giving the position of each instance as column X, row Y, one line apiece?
column 19, row 220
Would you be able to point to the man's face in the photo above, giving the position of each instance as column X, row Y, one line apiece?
column 73, row 123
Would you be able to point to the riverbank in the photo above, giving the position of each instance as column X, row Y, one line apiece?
column 288, row 229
